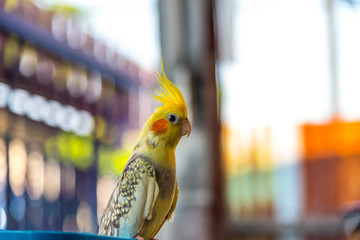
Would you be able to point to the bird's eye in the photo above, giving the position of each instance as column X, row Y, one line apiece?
column 172, row 118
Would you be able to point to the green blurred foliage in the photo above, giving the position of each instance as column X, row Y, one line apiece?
column 112, row 161
column 78, row 151
column 70, row 148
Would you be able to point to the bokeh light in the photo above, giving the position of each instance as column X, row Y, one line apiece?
column 17, row 207
column 3, row 219
column 69, row 224
column 77, row 81
column 17, row 166
column 28, row 61
column 11, row 52
column 35, row 175
column 60, row 75
column 85, row 218
column 17, row 100
column 104, row 188
column 68, row 184
column 3, row 165
column 4, row 93
column 86, row 123
column 94, row 91
column 52, row 180
column 45, row 70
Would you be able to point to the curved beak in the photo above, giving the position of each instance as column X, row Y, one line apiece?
column 186, row 128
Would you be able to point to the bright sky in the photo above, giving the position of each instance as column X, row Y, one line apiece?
column 131, row 27
column 281, row 68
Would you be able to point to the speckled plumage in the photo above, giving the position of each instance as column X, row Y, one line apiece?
column 147, row 192
column 124, row 196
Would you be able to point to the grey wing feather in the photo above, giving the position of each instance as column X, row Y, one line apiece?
column 132, row 200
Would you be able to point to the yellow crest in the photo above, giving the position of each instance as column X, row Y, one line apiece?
column 169, row 95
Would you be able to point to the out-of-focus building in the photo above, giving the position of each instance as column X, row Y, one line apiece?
column 68, row 107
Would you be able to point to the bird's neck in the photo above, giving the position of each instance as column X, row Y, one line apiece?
column 155, row 147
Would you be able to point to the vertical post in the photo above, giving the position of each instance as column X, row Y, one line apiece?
column 213, row 119
column 189, row 49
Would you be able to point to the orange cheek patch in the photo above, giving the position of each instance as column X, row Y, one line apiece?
column 160, row 126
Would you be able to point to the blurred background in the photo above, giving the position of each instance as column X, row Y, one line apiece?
column 272, row 90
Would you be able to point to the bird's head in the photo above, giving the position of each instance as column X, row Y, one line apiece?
column 170, row 121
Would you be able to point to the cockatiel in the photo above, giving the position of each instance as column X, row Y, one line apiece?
column 147, row 191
